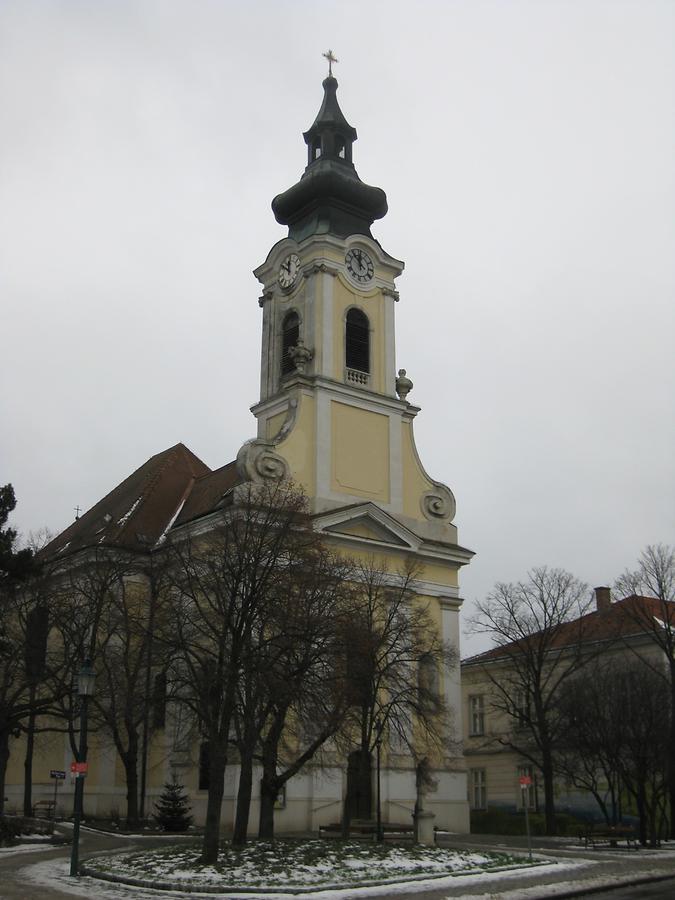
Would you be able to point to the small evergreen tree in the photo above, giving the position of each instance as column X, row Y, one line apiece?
column 173, row 808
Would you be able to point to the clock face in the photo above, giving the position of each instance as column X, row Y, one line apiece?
column 289, row 270
column 359, row 265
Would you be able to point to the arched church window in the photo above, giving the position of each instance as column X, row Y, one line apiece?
column 428, row 684
column 340, row 146
column 316, row 148
column 290, row 332
column 357, row 341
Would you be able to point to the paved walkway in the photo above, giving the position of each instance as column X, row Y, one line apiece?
column 568, row 871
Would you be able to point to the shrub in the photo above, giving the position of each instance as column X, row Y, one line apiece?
column 173, row 808
column 9, row 831
column 503, row 821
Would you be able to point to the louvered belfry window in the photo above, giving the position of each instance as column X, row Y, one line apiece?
column 357, row 349
column 290, row 332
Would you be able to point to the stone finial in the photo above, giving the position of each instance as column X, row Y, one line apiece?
column 403, row 384
column 300, row 355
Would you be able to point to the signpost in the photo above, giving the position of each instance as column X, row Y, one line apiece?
column 525, row 783
column 57, row 775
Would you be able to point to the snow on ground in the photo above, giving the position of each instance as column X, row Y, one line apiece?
column 299, row 864
column 54, row 874
column 25, row 848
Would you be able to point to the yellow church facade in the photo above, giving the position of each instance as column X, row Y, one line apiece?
column 334, row 416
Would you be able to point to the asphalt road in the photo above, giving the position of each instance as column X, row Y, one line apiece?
column 657, row 890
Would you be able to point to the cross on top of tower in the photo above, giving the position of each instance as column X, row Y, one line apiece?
column 331, row 59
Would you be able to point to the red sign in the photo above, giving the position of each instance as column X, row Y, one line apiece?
column 525, row 781
column 78, row 768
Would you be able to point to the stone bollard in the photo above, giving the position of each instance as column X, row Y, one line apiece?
column 424, row 828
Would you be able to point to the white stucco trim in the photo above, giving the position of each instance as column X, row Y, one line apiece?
column 389, row 345
column 395, row 464
column 326, row 363
column 323, row 444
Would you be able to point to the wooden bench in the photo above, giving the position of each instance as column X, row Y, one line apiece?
column 46, row 807
column 366, row 829
column 612, row 835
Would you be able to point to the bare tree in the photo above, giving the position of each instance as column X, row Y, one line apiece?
column 306, row 705
column 591, row 744
column 109, row 609
column 654, row 578
column 394, row 659
column 224, row 582
column 31, row 667
column 539, row 628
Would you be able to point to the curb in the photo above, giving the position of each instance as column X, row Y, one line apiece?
column 614, row 884
column 191, row 888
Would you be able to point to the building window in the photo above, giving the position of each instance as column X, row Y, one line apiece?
column 522, row 709
column 476, row 715
column 357, row 341
column 477, row 789
column 527, row 794
column 428, row 684
column 315, row 151
column 159, row 701
column 204, row 767
column 290, row 332
column 340, row 147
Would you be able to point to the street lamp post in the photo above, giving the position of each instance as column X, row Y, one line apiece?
column 85, row 688
column 378, row 741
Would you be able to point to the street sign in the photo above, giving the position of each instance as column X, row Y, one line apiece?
column 79, row 768
column 525, row 781
column 57, row 773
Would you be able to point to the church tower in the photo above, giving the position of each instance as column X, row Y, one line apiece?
column 333, row 413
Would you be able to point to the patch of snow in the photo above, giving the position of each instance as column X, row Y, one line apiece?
column 128, row 514
column 23, row 848
column 162, row 537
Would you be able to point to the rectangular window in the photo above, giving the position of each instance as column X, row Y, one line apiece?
column 526, row 793
column 477, row 789
column 476, row 715
column 522, row 709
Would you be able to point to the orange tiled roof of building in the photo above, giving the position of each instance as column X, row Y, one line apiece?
column 136, row 513
column 631, row 616
column 208, row 492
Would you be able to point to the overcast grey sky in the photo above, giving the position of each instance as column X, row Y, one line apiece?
column 527, row 152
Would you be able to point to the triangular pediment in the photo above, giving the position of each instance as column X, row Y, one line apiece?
column 368, row 530
column 367, row 523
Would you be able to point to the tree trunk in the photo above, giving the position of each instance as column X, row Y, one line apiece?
column 268, row 797
column 549, row 794
column 4, row 759
column 28, row 761
column 243, row 799
column 217, row 763
column 269, row 787
column 130, row 760
column 640, row 800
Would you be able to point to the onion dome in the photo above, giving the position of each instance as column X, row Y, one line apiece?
column 330, row 198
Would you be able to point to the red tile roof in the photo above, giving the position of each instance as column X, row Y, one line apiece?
column 208, row 492
column 136, row 513
column 628, row 617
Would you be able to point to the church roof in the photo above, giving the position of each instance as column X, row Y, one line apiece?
column 629, row 617
column 208, row 492
column 136, row 513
